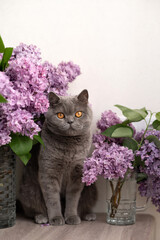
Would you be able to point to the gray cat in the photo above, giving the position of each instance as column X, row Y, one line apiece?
column 52, row 189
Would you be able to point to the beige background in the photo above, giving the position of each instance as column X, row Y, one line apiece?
column 115, row 42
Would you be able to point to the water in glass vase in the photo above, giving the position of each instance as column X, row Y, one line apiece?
column 121, row 200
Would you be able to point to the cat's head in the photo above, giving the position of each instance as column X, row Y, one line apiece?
column 69, row 115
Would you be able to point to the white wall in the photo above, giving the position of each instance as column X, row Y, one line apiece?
column 115, row 42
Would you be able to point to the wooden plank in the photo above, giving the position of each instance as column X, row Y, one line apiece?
column 26, row 229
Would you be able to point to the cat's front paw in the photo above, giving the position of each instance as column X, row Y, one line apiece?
column 73, row 220
column 41, row 219
column 90, row 217
column 57, row 221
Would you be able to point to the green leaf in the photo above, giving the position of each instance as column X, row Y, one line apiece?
column 2, row 47
column 156, row 125
column 154, row 139
column 25, row 158
column 138, row 162
column 108, row 132
column 6, row 56
column 130, row 143
column 38, row 138
column 34, row 141
column 122, row 132
column 133, row 115
column 118, row 130
column 158, row 116
column 2, row 99
column 143, row 112
column 141, row 176
column 21, row 145
column 125, row 122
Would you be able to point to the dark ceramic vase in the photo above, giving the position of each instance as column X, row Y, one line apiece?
column 7, row 187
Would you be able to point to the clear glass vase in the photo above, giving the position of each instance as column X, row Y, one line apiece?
column 121, row 200
column 7, row 187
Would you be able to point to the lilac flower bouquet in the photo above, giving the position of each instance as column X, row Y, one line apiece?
column 25, row 82
column 119, row 151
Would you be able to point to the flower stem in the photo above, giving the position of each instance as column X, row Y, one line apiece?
column 112, row 187
column 140, row 144
column 116, row 194
column 115, row 199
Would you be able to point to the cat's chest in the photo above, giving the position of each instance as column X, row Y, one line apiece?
column 68, row 150
column 68, row 174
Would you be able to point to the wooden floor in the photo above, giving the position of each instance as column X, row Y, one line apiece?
column 26, row 229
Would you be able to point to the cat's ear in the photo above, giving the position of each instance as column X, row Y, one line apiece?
column 83, row 96
column 53, row 98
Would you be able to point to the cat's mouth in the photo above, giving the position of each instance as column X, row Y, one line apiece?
column 75, row 126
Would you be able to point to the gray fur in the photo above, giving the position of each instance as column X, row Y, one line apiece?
column 56, row 174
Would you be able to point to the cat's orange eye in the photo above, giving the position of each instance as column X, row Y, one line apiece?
column 60, row 115
column 78, row 114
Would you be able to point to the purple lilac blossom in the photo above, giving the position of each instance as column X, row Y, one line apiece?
column 98, row 139
column 21, row 121
column 29, row 51
column 108, row 118
column 4, row 131
column 150, row 188
column 150, row 154
column 149, row 132
column 26, row 84
column 110, row 161
column 59, row 78
column 155, row 193
column 30, row 81
column 70, row 69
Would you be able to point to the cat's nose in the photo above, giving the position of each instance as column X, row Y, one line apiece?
column 70, row 121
